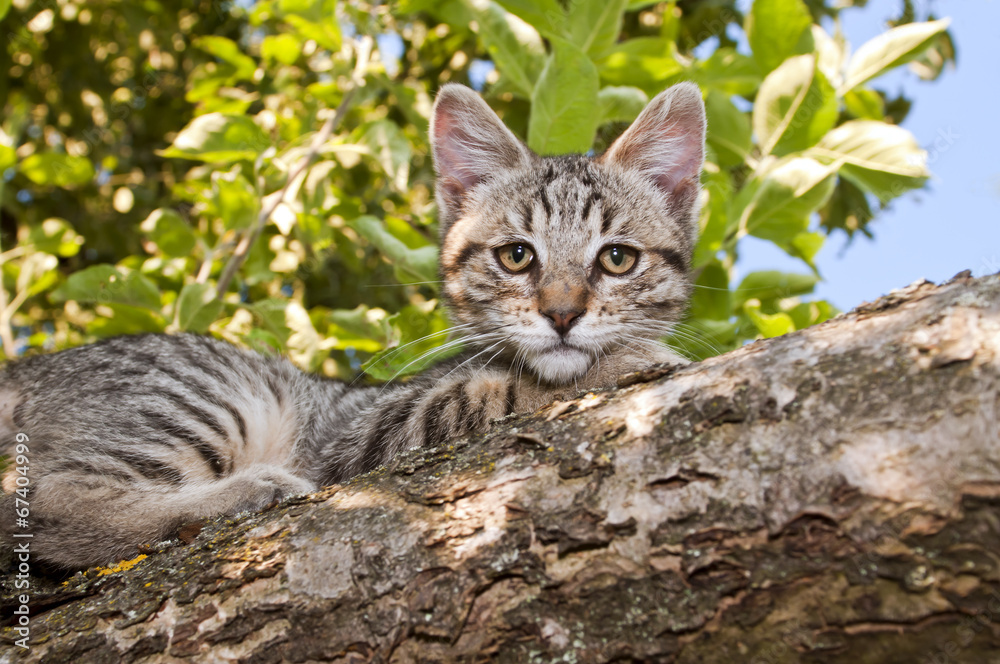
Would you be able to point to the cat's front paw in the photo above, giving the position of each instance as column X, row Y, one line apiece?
column 256, row 488
column 617, row 369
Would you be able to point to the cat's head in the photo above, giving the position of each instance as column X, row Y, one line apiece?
column 557, row 261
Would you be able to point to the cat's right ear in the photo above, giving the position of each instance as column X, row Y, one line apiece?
column 666, row 143
column 470, row 144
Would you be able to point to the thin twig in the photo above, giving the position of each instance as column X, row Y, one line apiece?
column 10, row 309
column 12, row 253
column 6, row 333
column 364, row 49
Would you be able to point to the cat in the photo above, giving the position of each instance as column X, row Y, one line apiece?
column 561, row 272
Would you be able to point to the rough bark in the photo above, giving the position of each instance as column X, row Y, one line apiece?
column 827, row 496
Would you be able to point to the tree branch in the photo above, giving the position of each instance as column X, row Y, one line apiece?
column 826, row 496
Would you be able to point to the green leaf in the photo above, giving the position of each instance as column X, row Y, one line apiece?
column 865, row 104
column 106, row 284
column 421, row 330
column 704, row 338
column 313, row 230
column 514, row 45
column 564, row 111
column 594, row 24
column 620, row 103
column 806, row 246
column 547, row 16
column 830, row 55
column 217, row 137
column 336, row 338
column 714, row 221
column 779, row 205
column 8, row 157
column 930, row 64
column 406, row 233
column 644, row 62
column 879, row 157
column 390, row 147
column 60, row 170
column 420, row 263
column 270, row 315
column 43, row 281
column 849, row 209
column 228, row 51
column 811, row 313
column 778, row 29
column 729, row 131
column 4, row 8
column 169, row 232
column 206, row 82
column 125, row 319
column 357, row 328
column 304, row 342
column 283, row 48
column 768, row 286
column 360, row 328
column 235, row 200
column 38, row 273
column 727, row 71
column 795, row 107
column 257, row 268
column 197, row 307
column 313, row 19
column 890, row 50
column 317, row 191
column 711, row 294
column 55, row 236
column 769, row 325
column 264, row 342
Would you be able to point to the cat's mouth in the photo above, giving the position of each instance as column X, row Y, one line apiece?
column 560, row 363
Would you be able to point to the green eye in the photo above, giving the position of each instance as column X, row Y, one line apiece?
column 617, row 259
column 515, row 257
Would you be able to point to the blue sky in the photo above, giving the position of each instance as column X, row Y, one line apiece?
column 952, row 225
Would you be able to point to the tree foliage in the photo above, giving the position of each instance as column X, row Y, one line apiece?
column 260, row 171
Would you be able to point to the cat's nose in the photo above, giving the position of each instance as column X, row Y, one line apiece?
column 564, row 319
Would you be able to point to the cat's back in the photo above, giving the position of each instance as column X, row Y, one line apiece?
column 169, row 404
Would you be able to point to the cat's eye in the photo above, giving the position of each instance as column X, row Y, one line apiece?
column 617, row 259
column 515, row 257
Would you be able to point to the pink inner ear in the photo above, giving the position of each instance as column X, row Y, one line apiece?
column 684, row 165
column 453, row 162
column 448, row 154
column 667, row 140
column 470, row 142
column 670, row 152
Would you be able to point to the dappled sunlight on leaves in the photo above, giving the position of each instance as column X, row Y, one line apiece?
column 158, row 168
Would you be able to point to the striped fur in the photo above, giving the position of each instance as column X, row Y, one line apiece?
column 134, row 436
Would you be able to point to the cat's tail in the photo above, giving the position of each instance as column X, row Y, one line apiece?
column 82, row 519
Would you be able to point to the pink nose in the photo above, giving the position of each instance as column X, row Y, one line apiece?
column 562, row 320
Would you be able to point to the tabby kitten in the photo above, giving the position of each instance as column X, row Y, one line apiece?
column 562, row 272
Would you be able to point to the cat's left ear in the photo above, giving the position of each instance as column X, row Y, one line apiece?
column 667, row 144
column 470, row 144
